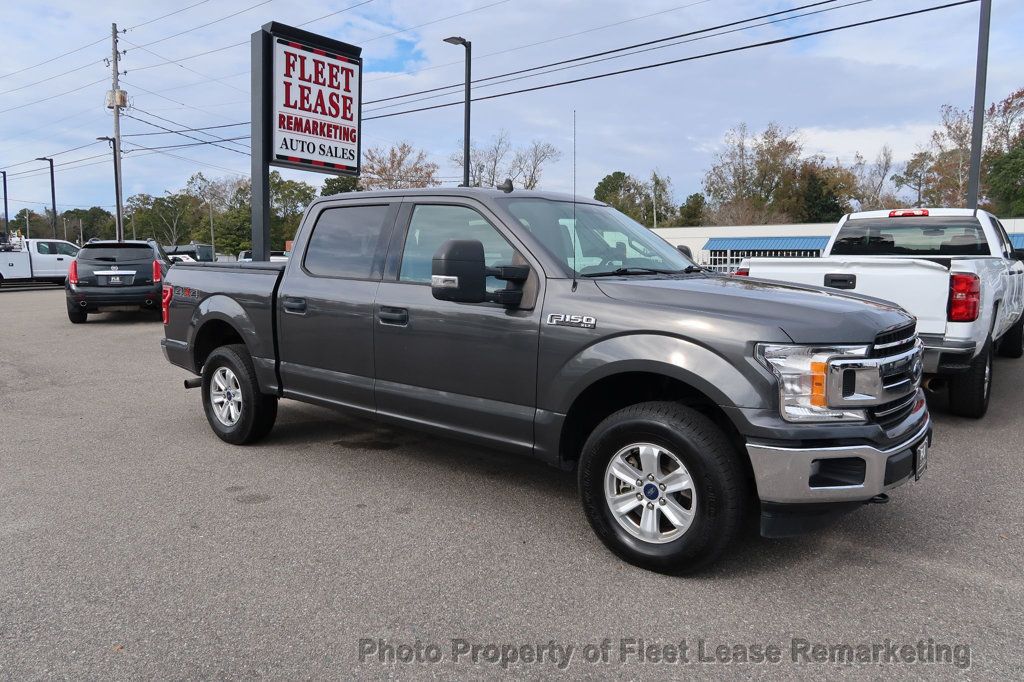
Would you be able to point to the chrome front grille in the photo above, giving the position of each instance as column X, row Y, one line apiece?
column 894, row 342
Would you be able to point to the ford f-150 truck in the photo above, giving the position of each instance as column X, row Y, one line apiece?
column 559, row 329
column 954, row 269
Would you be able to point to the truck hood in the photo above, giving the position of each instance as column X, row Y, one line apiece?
column 806, row 314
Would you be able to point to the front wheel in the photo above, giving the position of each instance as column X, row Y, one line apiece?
column 662, row 487
column 238, row 413
column 969, row 392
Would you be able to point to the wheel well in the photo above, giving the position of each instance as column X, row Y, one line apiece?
column 613, row 393
column 211, row 336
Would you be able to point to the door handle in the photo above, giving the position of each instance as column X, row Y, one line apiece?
column 396, row 316
column 59, row 258
column 839, row 281
column 294, row 305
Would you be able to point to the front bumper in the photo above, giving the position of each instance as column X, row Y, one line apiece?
column 947, row 356
column 850, row 473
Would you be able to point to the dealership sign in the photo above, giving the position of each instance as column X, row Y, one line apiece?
column 316, row 84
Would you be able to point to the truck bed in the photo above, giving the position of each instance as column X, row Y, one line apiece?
column 919, row 286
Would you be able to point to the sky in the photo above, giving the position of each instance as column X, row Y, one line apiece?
column 845, row 92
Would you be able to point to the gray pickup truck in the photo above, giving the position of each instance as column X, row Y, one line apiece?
column 559, row 329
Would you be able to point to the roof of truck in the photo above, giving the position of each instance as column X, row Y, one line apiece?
column 934, row 212
column 481, row 193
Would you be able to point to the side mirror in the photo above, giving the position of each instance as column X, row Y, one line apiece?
column 685, row 250
column 459, row 274
column 1018, row 254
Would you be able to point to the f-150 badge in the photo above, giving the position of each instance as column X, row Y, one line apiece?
column 581, row 321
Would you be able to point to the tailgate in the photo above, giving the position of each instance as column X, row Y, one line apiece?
column 920, row 287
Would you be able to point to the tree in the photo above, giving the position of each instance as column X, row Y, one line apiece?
column 751, row 175
column 96, row 222
column 288, row 199
column 659, row 204
column 917, row 176
column 38, row 225
column 951, row 148
column 398, row 167
column 623, row 192
column 528, row 163
column 1006, row 181
column 872, row 191
column 171, row 210
column 691, row 213
column 339, row 184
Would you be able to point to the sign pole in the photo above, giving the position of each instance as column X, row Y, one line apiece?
column 261, row 136
column 977, row 132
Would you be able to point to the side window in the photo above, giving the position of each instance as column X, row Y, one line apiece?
column 348, row 242
column 65, row 249
column 44, row 248
column 431, row 226
column 1004, row 238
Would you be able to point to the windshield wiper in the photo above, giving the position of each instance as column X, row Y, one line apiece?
column 632, row 270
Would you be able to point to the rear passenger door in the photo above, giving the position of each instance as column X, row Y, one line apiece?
column 1015, row 276
column 325, row 303
column 466, row 368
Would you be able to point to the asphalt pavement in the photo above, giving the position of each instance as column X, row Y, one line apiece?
column 135, row 544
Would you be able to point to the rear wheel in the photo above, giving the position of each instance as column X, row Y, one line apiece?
column 662, row 487
column 969, row 392
column 1012, row 343
column 238, row 413
column 76, row 314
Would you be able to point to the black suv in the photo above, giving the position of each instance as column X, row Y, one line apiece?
column 113, row 275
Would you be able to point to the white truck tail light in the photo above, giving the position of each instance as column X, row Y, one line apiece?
column 964, row 297
column 909, row 213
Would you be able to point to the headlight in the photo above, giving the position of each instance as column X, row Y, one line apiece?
column 802, row 372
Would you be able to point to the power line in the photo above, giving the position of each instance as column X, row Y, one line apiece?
column 192, row 144
column 187, row 130
column 705, row 55
column 184, row 158
column 53, row 59
column 46, row 99
column 638, row 45
column 358, row 4
column 186, row 68
column 66, row 151
column 173, row 122
column 164, row 16
column 50, row 78
column 169, row 99
column 542, row 42
column 436, row 21
column 191, row 137
column 209, row 23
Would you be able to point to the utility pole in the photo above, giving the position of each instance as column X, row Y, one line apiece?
column 7, row 218
column 65, row 227
column 654, row 196
column 974, row 181
column 116, row 99
column 213, row 246
column 132, row 216
column 53, row 196
column 28, row 233
column 81, row 236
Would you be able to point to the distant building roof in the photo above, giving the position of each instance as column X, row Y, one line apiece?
column 1017, row 240
column 767, row 243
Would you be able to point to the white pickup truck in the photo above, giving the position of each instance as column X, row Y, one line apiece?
column 954, row 269
column 36, row 260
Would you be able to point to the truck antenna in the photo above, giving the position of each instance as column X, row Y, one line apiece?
column 574, row 282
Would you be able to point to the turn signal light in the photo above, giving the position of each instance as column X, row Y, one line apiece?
column 158, row 273
column 73, row 273
column 165, row 301
column 964, row 297
column 909, row 213
column 818, row 384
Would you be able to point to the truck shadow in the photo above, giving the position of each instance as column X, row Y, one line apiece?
column 123, row 317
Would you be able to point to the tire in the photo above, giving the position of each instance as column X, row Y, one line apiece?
column 717, row 496
column 969, row 392
column 1012, row 343
column 76, row 314
column 228, row 373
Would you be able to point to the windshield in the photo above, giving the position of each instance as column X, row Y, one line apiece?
column 600, row 240
column 914, row 236
column 120, row 253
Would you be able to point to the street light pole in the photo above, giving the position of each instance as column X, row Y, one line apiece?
column 977, row 136
column 53, row 195
column 458, row 40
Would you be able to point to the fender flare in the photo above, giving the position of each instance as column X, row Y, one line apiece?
column 691, row 363
column 225, row 309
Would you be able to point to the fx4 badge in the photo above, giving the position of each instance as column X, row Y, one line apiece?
column 581, row 321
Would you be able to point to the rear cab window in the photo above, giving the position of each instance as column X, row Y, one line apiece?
column 349, row 242
column 912, row 236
